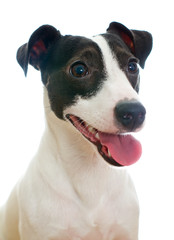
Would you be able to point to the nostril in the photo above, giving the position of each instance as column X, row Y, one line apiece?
column 141, row 116
column 130, row 114
column 126, row 118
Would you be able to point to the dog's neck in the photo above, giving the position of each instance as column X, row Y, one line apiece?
column 72, row 153
column 68, row 142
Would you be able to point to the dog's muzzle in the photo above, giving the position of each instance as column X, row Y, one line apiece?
column 130, row 114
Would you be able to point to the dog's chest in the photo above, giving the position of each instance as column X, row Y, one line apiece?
column 110, row 219
column 87, row 217
column 108, row 214
column 98, row 203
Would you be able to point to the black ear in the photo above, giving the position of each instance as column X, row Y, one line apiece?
column 139, row 42
column 36, row 49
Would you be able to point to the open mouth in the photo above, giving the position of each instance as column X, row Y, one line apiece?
column 116, row 149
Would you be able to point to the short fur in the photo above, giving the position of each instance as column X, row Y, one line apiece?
column 71, row 190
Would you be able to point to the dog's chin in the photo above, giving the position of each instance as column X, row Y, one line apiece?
column 116, row 149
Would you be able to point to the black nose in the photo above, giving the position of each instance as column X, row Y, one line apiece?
column 130, row 114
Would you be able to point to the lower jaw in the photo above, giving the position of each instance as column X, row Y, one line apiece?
column 91, row 134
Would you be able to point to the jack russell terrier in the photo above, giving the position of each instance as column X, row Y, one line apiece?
column 75, row 187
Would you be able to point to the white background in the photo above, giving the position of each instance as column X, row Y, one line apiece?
column 21, row 113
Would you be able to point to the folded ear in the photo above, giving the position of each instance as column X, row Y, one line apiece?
column 139, row 42
column 35, row 51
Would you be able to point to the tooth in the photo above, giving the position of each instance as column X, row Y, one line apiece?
column 109, row 154
column 91, row 130
column 97, row 136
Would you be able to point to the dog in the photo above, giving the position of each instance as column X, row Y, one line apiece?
column 76, row 186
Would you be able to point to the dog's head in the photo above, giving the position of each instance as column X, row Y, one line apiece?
column 93, row 84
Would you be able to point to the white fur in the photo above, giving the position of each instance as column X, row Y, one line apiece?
column 69, row 192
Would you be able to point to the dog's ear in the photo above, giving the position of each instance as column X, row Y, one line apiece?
column 35, row 51
column 139, row 42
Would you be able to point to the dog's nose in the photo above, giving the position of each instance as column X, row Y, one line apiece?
column 130, row 114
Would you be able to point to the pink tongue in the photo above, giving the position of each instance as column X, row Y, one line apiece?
column 124, row 149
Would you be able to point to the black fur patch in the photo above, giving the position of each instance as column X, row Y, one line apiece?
column 123, row 55
column 63, row 88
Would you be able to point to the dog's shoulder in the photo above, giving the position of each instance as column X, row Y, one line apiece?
column 9, row 218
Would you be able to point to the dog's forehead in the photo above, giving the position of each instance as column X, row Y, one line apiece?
column 70, row 48
column 114, row 44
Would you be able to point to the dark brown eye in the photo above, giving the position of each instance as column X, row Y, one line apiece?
column 132, row 67
column 79, row 70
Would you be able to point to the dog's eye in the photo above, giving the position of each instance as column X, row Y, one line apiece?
column 79, row 70
column 132, row 67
